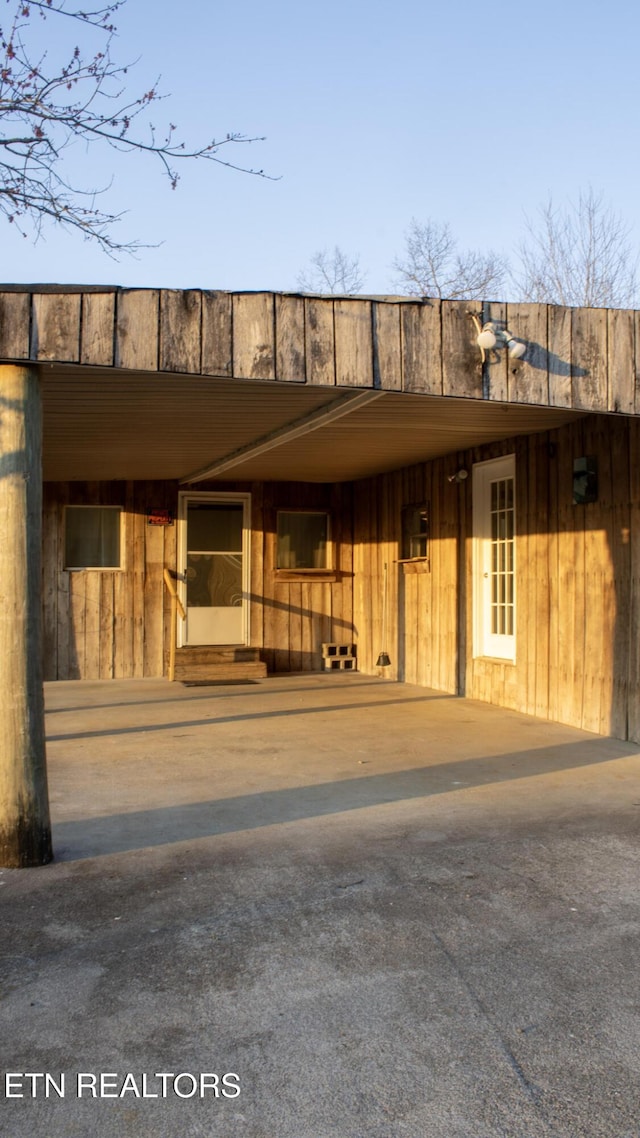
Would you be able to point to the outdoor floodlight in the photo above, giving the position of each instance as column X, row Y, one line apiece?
column 459, row 476
column 491, row 336
column 515, row 348
column 487, row 338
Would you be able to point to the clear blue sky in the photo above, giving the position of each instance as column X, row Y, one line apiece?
column 374, row 113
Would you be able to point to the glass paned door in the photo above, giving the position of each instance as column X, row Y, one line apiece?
column 502, row 570
column 494, row 562
column 214, row 572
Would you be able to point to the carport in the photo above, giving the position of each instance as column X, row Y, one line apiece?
column 354, row 419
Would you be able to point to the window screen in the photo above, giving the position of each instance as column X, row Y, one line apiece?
column 415, row 530
column 92, row 537
column 303, row 540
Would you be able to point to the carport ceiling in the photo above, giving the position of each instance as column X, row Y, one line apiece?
column 118, row 425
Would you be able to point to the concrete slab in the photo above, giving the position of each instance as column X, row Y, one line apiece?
column 385, row 910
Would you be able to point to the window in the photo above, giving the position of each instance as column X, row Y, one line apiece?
column 92, row 537
column 303, row 540
column 494, row 531
column 415, row 531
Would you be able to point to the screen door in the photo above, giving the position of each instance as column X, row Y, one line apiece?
column 213, row 560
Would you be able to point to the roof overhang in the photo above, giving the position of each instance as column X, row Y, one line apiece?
column 105, row 424
column 194, row 384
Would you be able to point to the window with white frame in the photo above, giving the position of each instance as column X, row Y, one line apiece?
column 92, row 537
column 494, row 560
column 303, row 540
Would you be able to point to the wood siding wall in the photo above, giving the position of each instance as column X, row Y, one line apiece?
column 100, row 624
column 578, row 580
column 587, row 359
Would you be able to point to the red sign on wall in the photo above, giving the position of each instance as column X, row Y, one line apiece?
column 159, row 518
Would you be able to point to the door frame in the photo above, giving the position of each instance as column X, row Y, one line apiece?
column 221, row 497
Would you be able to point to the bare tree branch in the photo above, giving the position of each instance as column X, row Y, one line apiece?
column 581, row 256
column 334, row 273
column 433, row 266
column 46, row 106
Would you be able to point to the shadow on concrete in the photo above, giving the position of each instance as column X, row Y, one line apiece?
column 211, row 721
column 139, row 829
column 207, row 691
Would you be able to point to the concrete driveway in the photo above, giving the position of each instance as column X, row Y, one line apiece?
column 377, row 910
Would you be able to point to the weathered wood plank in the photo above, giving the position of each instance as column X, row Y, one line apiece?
column 361, row 600
column 574, row 608
column 619, row 532
column 136, row 568
column 422, row 347
column 267, row 577
column 414, row 617
column 637, row 363
column 106, row 626
column 217, row 351
column 525, row 580
column 597, row 666
column 320, row 346
column 137, row 329
column 431, row 622
column 180, row 330
column 294, row 629
column 321, row 627
column 256, row 571
column 14, row 325
column 170, row 561
column 91, row 668
column 556, row 597
column 452, row 494
column 496, row 367
column 559, row 358
column 354, row 343
column 387, row 359
column 77, row 611
column 529, row 376
column 153, row 591
column 569, row 444
column 55, row 327
column 280, row 626
column 621, row 362
column 98, row 329
column 461, row 358
column 123, row 595
column 310, row 612
column 290, row 352
column 254, row 336
column 539, row 535
column 633, row 705
column 589, row 387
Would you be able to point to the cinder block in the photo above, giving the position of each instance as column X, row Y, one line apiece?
column 339, row 664
column 330, row 651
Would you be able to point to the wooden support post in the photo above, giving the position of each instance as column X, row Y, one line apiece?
column 25, row 830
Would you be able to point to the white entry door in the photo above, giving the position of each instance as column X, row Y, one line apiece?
column 494, row 568
column 214, row 566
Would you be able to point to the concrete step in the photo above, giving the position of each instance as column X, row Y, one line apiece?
column 217, row 654
column 213, row 673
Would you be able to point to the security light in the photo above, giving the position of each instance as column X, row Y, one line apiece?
column 491, row 336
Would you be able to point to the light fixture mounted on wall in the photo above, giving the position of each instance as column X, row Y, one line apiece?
column 459, row 476
column 491, row 336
